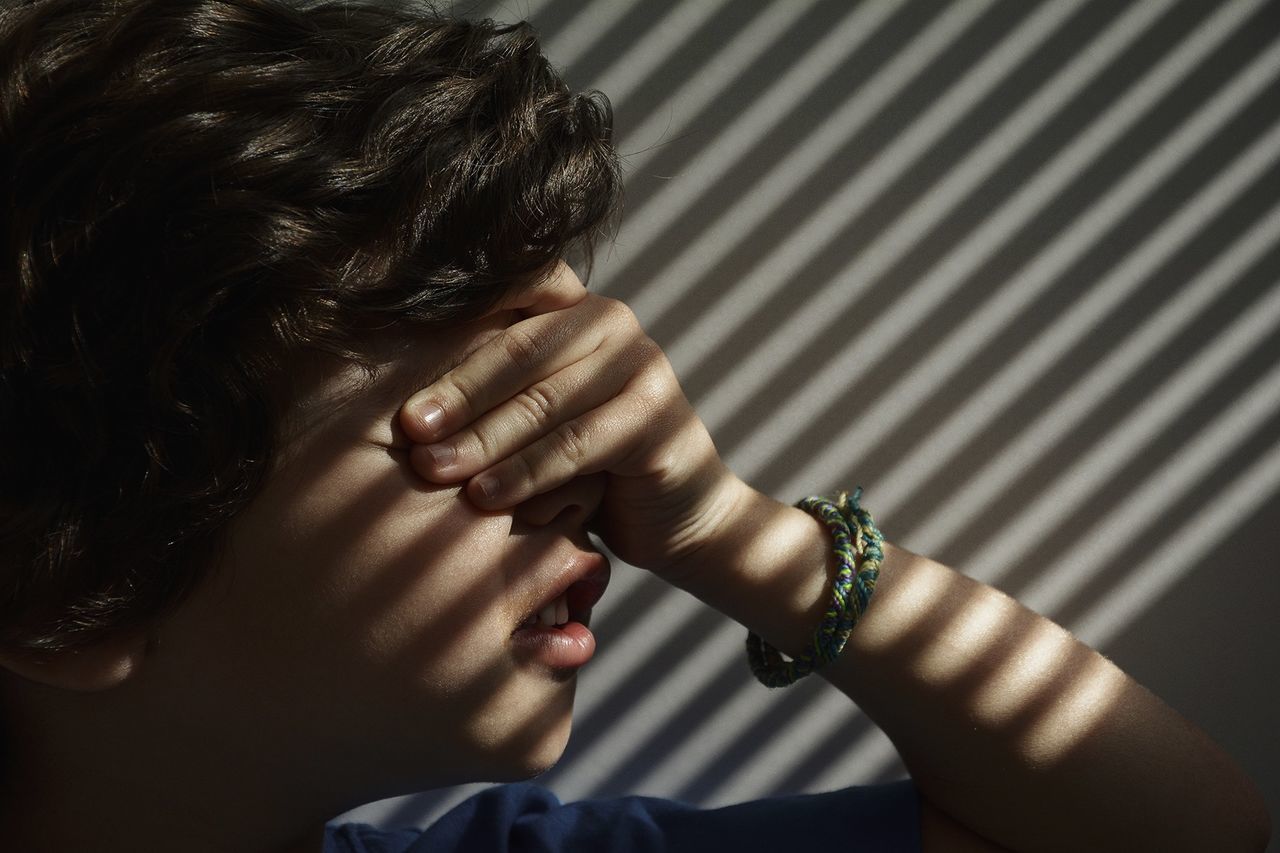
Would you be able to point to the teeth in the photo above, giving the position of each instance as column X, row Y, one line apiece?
column 555, row 613
column 548, row 614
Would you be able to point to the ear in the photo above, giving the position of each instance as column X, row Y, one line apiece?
column 101, row 666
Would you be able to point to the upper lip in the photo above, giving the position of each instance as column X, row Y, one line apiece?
column 580, row 566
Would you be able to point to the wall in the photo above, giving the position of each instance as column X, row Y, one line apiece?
column 1012, row 267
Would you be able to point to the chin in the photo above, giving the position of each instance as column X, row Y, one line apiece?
column 528, row 734
column 541, row 757
column 533, row 753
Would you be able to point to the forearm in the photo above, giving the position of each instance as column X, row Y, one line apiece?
column 1007, row 722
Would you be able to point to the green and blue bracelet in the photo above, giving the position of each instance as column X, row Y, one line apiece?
column 858, row 547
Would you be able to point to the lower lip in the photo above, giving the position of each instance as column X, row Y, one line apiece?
column 565, row 646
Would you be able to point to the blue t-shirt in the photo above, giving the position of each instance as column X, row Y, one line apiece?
column 526, row 818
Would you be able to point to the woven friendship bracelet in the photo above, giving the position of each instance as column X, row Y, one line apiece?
column 858, row 547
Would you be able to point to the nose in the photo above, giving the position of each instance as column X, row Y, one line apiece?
column 567, row 506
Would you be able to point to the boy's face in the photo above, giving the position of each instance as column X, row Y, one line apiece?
column 357, row 631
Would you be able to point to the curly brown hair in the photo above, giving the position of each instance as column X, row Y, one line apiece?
column 201, row 196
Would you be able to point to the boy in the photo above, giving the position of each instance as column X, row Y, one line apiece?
column 281, row 286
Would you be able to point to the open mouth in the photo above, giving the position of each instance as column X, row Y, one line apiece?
column 572, row 605
column 555, row 613
column 555, row 634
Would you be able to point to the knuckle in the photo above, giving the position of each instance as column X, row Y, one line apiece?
column 539, row 402
column 479, row 442
column 619, row 312
column 571, row 441
column 520, row 472
column 524, row 350
column 649, row 354
column 462, row 393
column 652, row 390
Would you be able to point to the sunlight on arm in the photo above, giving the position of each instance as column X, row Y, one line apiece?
column 1073, row 715
column 951, row 655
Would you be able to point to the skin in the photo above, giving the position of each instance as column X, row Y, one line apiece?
column 354, row 645
column 1011, row 728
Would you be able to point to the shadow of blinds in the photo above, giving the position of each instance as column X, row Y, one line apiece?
column 989, row 260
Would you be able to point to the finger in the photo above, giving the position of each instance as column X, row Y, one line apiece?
column 510, row 361
column 515, row 358
column 591, row 442
column 559, row 288
column 527, row 416
column 634, row 434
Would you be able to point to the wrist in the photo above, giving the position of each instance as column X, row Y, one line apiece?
column 717, row 540
column 770, row 568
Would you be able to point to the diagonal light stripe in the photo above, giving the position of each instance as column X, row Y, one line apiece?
column 683, row 767
column 502, row 10
column 629, row 70
column 1068, row 575
column 1171, row 321
column 647, row 627
column 1176, row 559
column 1095, row 550
column 727, row 734
column 1010, row 543
column 1001, row 390
column 772, row 758
column 1097, row 547
column 718, row 75
column 1174, row 319
column 721, row 152
column 720, row 320
column 755, row 371
column 614, row 662
column 595, row 764
column 589, row 24
column 948, row 355
column 660, row 619
column 861, row 762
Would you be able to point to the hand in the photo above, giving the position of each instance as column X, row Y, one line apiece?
column 576, row 387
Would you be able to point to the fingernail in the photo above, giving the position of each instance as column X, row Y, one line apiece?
column 487, row 484
column 431, row 415
column 442, row 454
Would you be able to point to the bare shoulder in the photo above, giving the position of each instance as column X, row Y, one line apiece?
column 940, row 833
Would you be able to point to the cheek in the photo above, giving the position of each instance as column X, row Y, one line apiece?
column 371, row 613
column 414, row 578
column 365, row 568
column 430, row 597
